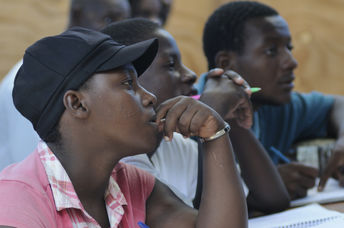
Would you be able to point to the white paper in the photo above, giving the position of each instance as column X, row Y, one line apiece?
column 306, row 216
column 332, row 192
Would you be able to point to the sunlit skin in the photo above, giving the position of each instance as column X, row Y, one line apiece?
column 266, row 60
column 96, row 14
column 167, row 77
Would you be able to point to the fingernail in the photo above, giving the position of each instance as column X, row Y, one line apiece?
column 167, row 139
column 215, row 70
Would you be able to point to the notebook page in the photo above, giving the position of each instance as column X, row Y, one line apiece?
column 332, row 193
column 311, row 214
column 335, row 223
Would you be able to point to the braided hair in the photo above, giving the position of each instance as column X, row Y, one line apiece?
column 225, row 27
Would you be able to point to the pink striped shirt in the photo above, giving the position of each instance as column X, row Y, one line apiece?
column 38, row 193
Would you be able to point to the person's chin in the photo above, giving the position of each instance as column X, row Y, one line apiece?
column 154, row 145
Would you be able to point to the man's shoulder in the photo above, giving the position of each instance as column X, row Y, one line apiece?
column 28, row 173
column 299, row 101
column 25, row 195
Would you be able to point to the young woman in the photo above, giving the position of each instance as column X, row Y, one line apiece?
column 80, row 91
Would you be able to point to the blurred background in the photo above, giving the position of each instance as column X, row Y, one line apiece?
column 316, row 26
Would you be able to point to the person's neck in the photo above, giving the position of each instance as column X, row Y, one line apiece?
column 89, row 168
column 256, row 106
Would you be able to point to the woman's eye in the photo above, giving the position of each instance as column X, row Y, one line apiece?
column 128, row 83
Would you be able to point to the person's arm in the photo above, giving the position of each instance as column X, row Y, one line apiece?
column 222, row 203
column 266, row 189
column 336, row 129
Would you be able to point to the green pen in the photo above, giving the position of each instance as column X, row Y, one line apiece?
column 255, row 89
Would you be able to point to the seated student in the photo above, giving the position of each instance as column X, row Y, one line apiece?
column 155, row 10
column 176, row 162
column 257, row 44
column 96, row 14
column 14, row 128
column 79, row 89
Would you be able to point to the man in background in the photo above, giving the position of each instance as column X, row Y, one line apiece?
column 257, row 44
column 17, row 136
column 154, row 10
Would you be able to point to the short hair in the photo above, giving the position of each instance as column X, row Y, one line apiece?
column 132, row 30
column 225, row 27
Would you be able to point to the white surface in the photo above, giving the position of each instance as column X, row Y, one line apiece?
column 307, row 216
column 331, row 193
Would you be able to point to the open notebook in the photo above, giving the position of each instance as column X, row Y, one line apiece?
column 331, row 193
column 312, row 215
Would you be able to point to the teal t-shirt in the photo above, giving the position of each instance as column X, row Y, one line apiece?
column 305, row 117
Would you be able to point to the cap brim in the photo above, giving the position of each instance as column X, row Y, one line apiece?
column 140, row 54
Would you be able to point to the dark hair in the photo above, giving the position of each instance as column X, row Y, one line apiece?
column 131, row 30
column 135, row 7
column 224, row 28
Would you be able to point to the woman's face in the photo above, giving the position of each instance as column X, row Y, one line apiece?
column 167, row 77
column 121, row 111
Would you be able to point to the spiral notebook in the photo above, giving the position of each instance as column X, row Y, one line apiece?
column 312, row 215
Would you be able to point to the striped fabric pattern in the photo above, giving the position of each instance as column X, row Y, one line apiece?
column 66, row 198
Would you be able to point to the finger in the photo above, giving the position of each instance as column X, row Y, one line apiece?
column 300, row 192
column 341, row 179
column 244, row 114
column 197, row 122
column 306, row 170
column 214, row 73
column 172, row 117
column 184, row 121
column 329, row 169
column 296, row 191
column 306, row 182
column 237, row 79
column 163, row 108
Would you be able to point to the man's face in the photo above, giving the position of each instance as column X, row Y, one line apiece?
column 149, row 9
column 98, row 14
column 121, row 111
column 167, row 77
column 266, row 60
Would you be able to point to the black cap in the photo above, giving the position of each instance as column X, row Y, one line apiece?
column 55, row 64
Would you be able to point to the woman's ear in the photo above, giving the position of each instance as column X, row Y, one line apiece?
column 225, row 60
column 75, row 104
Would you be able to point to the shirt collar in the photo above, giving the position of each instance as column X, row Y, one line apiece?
column 64, row 193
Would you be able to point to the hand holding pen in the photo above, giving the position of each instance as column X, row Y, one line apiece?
column 229, row 95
